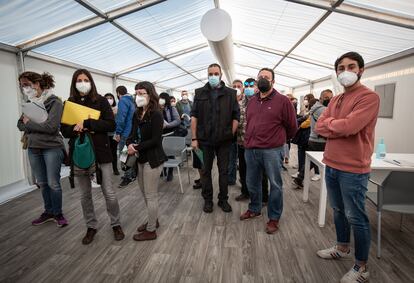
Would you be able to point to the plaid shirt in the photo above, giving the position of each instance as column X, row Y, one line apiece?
column 241, row 129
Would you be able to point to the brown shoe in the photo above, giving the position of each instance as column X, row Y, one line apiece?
column 118, row 233
column 143, row 227
column 90, row 234
column 249, row 215
column 145, row 236
column 272, row 226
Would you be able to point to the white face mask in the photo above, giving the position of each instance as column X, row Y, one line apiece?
column 173, row 104
column 83, row 87
column 305, row 102
column 185, row 97
column 161, row 101
column 347, row 78
column 110, row 101
column 29, row 92
column 141, row 101
column 238, row 91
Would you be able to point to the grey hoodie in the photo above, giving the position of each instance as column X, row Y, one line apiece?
column 314, row 114
column 46, row 134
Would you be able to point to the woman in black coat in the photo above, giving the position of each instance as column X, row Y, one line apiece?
column 83, row 92
column 145, row 141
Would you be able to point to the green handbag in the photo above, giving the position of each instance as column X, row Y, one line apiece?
column 83, row 154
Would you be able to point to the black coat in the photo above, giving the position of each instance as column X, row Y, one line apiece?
column 98, row 129
column 150, row 145
column 215, row 120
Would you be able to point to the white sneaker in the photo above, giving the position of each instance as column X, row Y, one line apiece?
column 317, row 177
column 95, row 185
column 356, row 275
column 295, row 175
column 333, row 253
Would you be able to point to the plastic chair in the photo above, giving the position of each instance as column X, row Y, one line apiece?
column 396, row 193
column 175, row 146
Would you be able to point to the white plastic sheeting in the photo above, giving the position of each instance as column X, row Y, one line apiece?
column 174, row 25
column 103, row 47
column 169, row 26
column 22, row 20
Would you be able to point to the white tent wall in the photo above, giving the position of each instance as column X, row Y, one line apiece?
column 11, row 158
column 397, row 132
column 63, row 76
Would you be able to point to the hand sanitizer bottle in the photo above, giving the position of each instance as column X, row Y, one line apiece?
column 381, row 152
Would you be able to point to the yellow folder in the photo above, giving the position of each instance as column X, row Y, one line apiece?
column 74, row 113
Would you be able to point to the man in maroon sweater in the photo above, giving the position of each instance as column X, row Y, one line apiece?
column 271, row 120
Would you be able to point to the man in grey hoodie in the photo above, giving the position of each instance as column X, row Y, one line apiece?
column 317, row 142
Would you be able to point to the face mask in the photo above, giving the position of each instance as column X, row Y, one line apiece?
column 347, row 78
column 238, row 92
column 306, row 102
column 110, row 101
column 161, row 101
column 29, row 92
column 249, row 91
column 326, row 102
column 141, row 101
column 83, row 87
column 263, row 85
column 185, row 97
column 173, row 104
column 213, row 80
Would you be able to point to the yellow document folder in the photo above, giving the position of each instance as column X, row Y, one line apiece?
column 74, row 113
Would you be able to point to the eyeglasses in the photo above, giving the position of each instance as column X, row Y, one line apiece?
column 247, row 84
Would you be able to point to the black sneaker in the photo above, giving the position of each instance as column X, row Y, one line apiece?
column 225, row 206
column 242, row 197
column 169, row 177
column 118, row 233
column 198, row 181
column 125, row 182
column 298, row 183
column 208, row 207
column 197, row 186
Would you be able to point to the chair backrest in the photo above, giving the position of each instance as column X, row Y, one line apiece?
column 398, row 189
column 173, row 146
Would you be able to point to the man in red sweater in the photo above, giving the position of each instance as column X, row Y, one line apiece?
column 348, row 124
column 271, row 120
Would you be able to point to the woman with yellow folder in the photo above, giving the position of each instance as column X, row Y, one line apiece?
column 83, row 92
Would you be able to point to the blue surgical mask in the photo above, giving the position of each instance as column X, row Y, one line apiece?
column 249, row 91
column 214, row 80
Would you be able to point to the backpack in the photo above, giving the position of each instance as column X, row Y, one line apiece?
column 83, row 155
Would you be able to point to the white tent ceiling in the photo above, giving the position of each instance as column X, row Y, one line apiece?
column 161, row 41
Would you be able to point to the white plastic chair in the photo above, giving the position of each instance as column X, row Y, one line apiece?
column 175, row 146
column 395, row 193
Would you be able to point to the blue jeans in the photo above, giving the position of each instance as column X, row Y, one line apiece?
column 131, row 173
column 232, row 171
column 46, row 164
column 270, row 161
column 346, row 192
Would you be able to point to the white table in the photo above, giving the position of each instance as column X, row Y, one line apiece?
column 380, row 170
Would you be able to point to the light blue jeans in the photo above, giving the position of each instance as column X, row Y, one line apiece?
column 46, row 164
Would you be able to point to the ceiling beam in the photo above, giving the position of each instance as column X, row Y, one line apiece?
column 318, row 22
column 8, row 48
column 281, row 53
column 181, row 75
column 277, row 73
column 97, row 20
column 120, row 27
column 190, row 83
column 361, row 12
column 162, row 58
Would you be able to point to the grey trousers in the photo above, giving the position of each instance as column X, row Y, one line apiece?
column 148, row 180
column 83, row 183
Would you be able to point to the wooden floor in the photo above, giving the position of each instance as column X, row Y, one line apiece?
column 192, row 246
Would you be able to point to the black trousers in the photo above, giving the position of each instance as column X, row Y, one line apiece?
column 210, row 152
column 242, row 173
column 311, row 146
column 114, row 148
